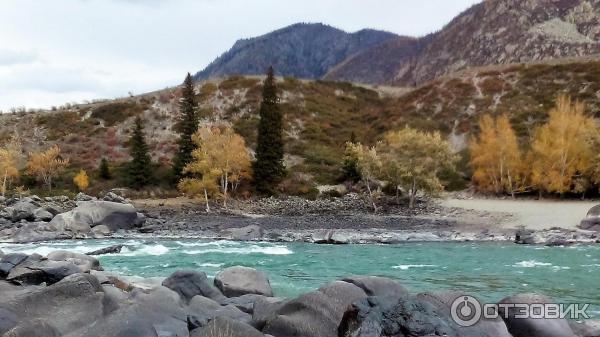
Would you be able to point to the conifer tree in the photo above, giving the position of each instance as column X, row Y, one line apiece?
column 187, row 128
column 104, row 169
column 139, row 170
column 268, row 167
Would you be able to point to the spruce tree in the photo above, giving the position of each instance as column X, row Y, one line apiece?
column 187, row 127
column 268, row 167
column 139, row 169
column 104, row 169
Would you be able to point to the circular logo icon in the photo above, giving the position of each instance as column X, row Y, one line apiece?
column 466, row 311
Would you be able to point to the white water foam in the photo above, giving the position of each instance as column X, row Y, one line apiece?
column 208, row 244
column 154, row 250
column 409, row 266
column 531, row 264
column 210, row 265
column 254, row 249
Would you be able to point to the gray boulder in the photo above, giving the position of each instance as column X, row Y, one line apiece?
column 36, row 270
column 246, row 302
column 37, row 231
column 238, row 281
column 315, row 314
column 35, row 328
column 520, row 327
column 83, row 197
column 486, row 327
column 201, row 310
column 192, row 283
column 83, row 261
column 226, row 327
column 589, row 328
column 377, row 286
column 9, row 261
column 248, row 233
column 113, row 197
column 116, row 249
column 101, row 231
column 400, row 317
column 23, row 209
column 264, row 309
column 72, row 303
column 592, row 220
column 8, row 320
column 90, row 214
column 41, row 214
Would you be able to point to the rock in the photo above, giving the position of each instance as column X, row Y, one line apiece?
column 226, row 327
column 487, row 327
column 8, row 320
column 588, row 328
column 405, row 316
column 89, row 214
column 520, row 327
column 116, row 249
column 1, row 254
column 592, row 220
column 377, row 286
column 72, row 303
column 525, row 237
column 264, row 309
column 38, row 231
column 191, row 283
column 36, row 328
column 36, row 270
column 83, row 261
column 9, row 261
column 248, row 233
column 315, row 314
column 238, row 281
column 245, row 302
column 41, row 214
column 22, row 210
column 113, row 197
column 83, row 197
column 201, row 310
column 101, row 231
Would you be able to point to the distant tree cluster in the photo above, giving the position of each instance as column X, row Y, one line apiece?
column 560, row 158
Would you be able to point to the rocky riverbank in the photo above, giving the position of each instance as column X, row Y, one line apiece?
column 68, row 294
column 330, row 221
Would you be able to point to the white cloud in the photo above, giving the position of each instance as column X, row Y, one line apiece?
column 68, row 50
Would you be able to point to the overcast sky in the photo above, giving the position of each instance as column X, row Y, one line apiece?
column 58, row 51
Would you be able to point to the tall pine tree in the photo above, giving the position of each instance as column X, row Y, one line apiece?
column 268, row 167
column 139, row 169
column 187, row 128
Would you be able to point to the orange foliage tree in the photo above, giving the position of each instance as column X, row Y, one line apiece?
column 46, row 165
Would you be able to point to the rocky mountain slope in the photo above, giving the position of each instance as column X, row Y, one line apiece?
column 301, row 50
column 490, row 33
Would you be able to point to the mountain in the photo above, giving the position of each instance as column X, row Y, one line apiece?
column 301, row 50
column 489, row 33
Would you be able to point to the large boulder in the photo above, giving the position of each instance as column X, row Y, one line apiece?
column 35, row 328
column 589, row 328
column 315, row 314
column 248, row 233
column 83, row 261
column 36, row 270
column 115, row 249
column 405, row 316
column 201, row 310
column 90, row 214
column 22, row 209
column 42, row 215
column 487, row 327
column 530, row 327
column 74, row 302
column 226, row 327
column 592, row 220
column 238, row 281
column 192, row 283
column 265, row 309
column 8, row 320
column 246, row 302
column 9, row 261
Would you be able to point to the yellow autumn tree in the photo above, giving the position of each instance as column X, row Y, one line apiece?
column 496, row 158
column 561, row 150
column 368, row 164
column 413, row 159
column 10, row 155
column 46, row 165
column 221, row 155
column 81, row 180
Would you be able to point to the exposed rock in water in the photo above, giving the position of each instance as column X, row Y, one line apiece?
column 116, row 249
column 238, row 281
column 192, row 283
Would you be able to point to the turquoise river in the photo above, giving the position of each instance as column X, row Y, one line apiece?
column 490, row 271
